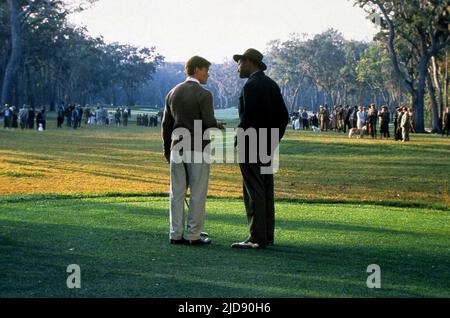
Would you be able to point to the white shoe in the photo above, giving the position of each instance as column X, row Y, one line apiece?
column 246, row 245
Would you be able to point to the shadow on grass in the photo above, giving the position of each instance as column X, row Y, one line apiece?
column 141, row 263
column 17, row 198
column 233, row 220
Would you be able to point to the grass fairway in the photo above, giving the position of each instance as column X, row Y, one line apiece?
column 121, row 247
column 313, row 167
column 96, row 197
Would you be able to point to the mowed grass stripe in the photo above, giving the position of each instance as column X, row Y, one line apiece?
column 122, row 247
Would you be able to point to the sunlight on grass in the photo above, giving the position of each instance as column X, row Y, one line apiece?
column 326, row 166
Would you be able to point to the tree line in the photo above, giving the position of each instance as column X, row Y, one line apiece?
column 416, row 36
column 45, row 61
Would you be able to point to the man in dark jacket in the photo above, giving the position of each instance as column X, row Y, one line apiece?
column 261, row 105
column 7, row 113
column 384, row 118
column 446, row 122
column 41, row 118
column 31, row 117
column 60, row 118
column 397, row 120
column 348, row 114
column 354, row 117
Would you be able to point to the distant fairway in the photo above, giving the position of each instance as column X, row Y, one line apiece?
column 97, row 197
column 325, row 167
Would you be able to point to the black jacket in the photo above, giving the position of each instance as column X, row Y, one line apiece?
column 261, row 105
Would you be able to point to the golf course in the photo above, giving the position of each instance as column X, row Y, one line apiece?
column 98, row 197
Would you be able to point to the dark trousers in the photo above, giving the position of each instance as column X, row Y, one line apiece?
column 397, row 132
column 259, row 203
column 76, row 123
column 60, row 121
column 305, row 124
column 446, row 128
column 7, row 122
column 372, row 130
column 384, row 131
column 346, row 126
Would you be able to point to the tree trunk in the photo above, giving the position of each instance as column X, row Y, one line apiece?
column 446, row 78
column 15, row 92
column 114, row 96
column 438, row 89
column 16, row 51
column 417, row 95
column 54, row 89
column 161, row 97
column 385, row 97
column 294, row 99
column 130, row 99
column 434, row 106
column 328, row 98
column 337, row 98
column 345, row 96
column 316, row 98
column 419, row 102
column 31, row 88
column 227, row 101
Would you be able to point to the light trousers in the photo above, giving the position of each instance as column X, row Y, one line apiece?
column 196, row 177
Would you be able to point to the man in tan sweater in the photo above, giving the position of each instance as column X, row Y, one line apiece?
column 188, row 105
column 405, row 124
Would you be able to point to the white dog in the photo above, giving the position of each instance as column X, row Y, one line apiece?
column 315, row 129
column 356, row 131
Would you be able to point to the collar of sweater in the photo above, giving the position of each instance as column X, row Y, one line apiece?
column 192, row 79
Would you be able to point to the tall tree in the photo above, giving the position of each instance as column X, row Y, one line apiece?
column 423, row 25
column 353, row 91
column 286, row 67
column 375, row 70
column 25, row 14
column 136, row 66
column 52, row 61
column 322, row 61
column 16, row 52
column 225, row 83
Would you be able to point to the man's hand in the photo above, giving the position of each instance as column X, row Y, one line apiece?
column 167, row 156
column 221, row 126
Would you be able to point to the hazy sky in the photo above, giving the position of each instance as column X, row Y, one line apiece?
column 217, row 29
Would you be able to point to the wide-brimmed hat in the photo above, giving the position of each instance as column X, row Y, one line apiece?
column 253, row 55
